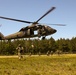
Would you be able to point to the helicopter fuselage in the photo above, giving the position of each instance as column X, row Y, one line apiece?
column 29, row 32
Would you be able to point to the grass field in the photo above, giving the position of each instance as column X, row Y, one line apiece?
column 38, row 65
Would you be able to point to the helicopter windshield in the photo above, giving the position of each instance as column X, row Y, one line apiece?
column 47, row 27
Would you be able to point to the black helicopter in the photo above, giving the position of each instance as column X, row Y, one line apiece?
column 28, row 31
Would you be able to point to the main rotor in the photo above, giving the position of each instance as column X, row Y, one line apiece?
column 36, row 22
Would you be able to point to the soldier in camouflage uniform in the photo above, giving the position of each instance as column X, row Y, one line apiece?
column 20, row 51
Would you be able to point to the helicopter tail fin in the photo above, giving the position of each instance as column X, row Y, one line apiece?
column 1, row 36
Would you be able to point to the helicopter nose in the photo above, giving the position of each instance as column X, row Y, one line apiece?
column 55, row 31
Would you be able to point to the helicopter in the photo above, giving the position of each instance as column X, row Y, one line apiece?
column 28, row 31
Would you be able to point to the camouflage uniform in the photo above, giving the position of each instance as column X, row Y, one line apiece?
column 20, row 51
column 51, row 52
column 48, row 53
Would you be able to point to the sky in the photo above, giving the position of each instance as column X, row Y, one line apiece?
column 32, row 10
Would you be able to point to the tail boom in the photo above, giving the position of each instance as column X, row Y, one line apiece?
column 1, row 36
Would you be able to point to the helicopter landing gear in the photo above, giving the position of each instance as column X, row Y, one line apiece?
column 43, row 38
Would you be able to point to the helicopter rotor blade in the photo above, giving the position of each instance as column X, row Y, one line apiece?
column 15, row 20
column 57, row 24
column 51, row 24
column 34, row 23
column 45, row 14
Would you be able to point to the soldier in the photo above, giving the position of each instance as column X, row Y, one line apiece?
column 32, row 46
column 30, row 54
column 58, row 52
column 48, row 53
column 20, row 51
column 39, row 53
column 51, row 52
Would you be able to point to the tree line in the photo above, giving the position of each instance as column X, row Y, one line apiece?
column 42, row 46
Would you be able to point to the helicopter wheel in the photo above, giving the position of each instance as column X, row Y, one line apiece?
column 43, row 38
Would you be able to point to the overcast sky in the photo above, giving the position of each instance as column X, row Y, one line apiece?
column 31, row 10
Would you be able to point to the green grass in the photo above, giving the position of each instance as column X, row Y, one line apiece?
column 39, row 65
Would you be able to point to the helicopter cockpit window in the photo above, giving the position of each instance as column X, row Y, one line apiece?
column 22, row 29
column 46, row 27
